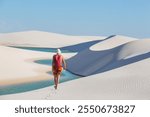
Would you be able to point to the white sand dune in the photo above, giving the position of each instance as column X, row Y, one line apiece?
column 90, row 62
column 115, row 68
column 43, row 39
column 111, row 42
column 134, row 48
column 16, row 64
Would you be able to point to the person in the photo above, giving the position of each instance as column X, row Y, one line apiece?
column 58, row 62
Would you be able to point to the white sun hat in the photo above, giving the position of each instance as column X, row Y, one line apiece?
column 58, row 51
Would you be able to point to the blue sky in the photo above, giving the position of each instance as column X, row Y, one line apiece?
column 77, row 17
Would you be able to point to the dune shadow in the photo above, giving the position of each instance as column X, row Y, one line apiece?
column 89, row 62
column 80, row 47
column 67, row 49
column 123, row 62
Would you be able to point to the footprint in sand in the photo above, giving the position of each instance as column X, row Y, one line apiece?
column 51, row 93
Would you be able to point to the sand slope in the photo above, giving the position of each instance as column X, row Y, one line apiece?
column 90, row 62
column 18, row 64
column 111, row 42
column 43, row 39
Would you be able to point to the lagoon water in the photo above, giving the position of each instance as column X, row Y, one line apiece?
column 41, row 49
column 11, row 89
column 66, row 76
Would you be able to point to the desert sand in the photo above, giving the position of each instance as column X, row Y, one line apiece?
column 43, row 39
column 114, row 67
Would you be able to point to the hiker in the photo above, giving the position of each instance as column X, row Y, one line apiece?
column 57, row 67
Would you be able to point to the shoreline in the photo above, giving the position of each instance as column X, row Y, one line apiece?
column 41, row 75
